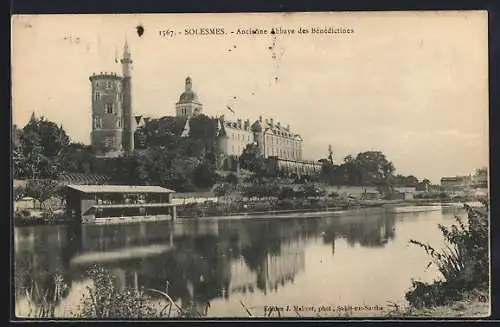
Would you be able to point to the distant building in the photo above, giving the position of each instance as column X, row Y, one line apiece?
column 188, row 104
column 103, row 204
column 234, row 136
column 479, row 178
column 457, row 181
column 274, row 140
column 112, row 117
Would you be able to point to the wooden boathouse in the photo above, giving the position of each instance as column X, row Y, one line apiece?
column 119, row 203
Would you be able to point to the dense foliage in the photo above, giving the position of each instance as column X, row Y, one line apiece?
column 463, row 263
column 42, row 150
column 369, row 168
column 37, row 149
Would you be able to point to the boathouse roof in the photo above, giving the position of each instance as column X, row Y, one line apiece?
column 120, row 189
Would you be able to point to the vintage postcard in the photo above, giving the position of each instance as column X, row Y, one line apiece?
column 249, row 165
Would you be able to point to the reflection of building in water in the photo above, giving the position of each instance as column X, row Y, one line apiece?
column 278, row 269
column 372, row 230
column 242, row 277
column 197, row 228
column 274, row 269
column 114, row 237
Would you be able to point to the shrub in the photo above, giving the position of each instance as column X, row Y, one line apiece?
column 463, row 263
column 231, row 178
column 105, row 299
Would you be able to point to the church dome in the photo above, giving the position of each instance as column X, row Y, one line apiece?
column 188, row 96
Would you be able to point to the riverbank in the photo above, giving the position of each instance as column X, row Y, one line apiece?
column 290, row 206
column 473, row 305
column 307, row 207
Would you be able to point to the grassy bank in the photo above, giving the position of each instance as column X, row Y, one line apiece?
column 464, row 267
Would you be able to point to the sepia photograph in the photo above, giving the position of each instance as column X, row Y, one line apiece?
column 250, row 165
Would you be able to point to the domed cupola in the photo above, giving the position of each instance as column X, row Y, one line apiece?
column 188, row 95
column 188, row 104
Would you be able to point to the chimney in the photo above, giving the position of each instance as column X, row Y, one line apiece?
column 288, row 127
column 272, row 122
column 247, row 124
column 279, row 125
column 260, row 119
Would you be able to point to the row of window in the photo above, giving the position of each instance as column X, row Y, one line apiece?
column 241, row 137
column 98, row 123
column 294, row 154
column 185, row 111
column 281, row 141
column 109, row 108
column 107, row 84
column 119, row 96
column 240, row 150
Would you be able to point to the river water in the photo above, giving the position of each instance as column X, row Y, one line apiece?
column 354, row 258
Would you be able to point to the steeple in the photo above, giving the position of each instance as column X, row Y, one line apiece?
column 126, row 60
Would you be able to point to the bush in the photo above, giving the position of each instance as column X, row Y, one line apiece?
column 105, row 299
column 463, row 263
column 231, row 178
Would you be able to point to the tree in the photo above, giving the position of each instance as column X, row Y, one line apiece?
column 252, row 160
column 232, row 179
column 311, row 190
column 350, row 171
column 18, row 193
column 405, row 181
column 42, row 190
column 286, row 193
column 202, row 133
column 38, row 148
column 374, row 167
column 52, row 138
column 204, row 175
column 222, row 189
column 77, row 158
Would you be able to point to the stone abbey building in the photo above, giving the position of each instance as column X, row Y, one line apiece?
column 114, row 124
column 274, row 140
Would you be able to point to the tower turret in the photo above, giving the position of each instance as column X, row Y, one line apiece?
column 128, row 116
column 107, row 118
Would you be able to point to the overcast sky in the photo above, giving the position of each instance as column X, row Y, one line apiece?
column 414, row 86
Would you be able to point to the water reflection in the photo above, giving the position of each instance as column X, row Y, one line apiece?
column 195, row 261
